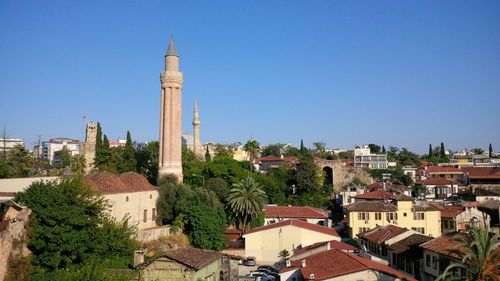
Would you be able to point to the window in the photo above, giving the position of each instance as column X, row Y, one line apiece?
column 363, row 216
column 394, row 259
column 145, row 217
column 404, row 214
column 126, row 199
column 428, row 260
column 153, row 214
column 150, row 196
column 363, row 229
column 419, row 229
column 391, row 216
column 418, row 216
column 434, row 262
column 378, row 216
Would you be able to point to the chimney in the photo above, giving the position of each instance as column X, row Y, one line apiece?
column 328, row 246
column 281, row 156
column 288, row 263
column 303, row 263
column 311, row 276
column 383, row 185
column 138, row 257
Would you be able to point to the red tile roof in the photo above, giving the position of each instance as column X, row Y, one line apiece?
column 380, row 185
column 294, row 212
column 334, row 244
column 483, row 172
column 297, row 223
column 451, row 211
column 437, row 181
column 380, row 234
column 444, row 243
column 335, row 263
column 106, row 182
column 383, row 195
column 442, row 170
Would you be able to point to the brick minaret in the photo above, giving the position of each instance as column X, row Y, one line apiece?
column 196, row 129
column 171, row 115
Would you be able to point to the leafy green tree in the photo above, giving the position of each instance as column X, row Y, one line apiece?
column 346, row 155
column 258, row 221
column 252, row 148
column 247, row 199
column 4, row 170
column 490, row 151
column 223, row 150
column 219, row 186
column 103, row 155
column 128, row 162
column 64, row 158
column 274, row 189
column 205, row 226
column 225, row 168
column 147, row 160
column 431, row 153
column 319, row 148
column 208, row 158
column 383, row 149
column 392, row 154
column 291, row 151
column 408, row 158
column 481, row 256
column 309, row 176
column 173, row 198
column 374, row 148
column 283, row 255
column 19, row 162
column 71, row 227
column 477, row 151
column 273, row 149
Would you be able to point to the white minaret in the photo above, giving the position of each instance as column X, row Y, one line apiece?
column 170, row 161
column 196, row 129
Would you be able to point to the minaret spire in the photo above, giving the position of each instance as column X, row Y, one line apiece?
column 171, row 115
column 196, row 128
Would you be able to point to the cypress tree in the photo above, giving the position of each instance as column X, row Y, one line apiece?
column 383, row 149
column 208, row 158
column 302, row 148
column 431, row 153
column 443, row 154
column 98, row 142
column 128, row 157
column 490, row 151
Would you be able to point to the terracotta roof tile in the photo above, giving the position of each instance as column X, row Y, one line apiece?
column 297, row 223
column 442, row 170
column 334, row 244
column 375, row 195
column 294, row 212
column 483, row 172
column 409, row 244
column 380, row 234
column 444, row 243
column 370, row 206
column 106, row 182
column 335, row 263
column 451, row 211
column 380, row 185
column 437, row 181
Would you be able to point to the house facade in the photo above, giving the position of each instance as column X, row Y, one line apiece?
column 265, row 243
column 457, row 218
column 407, row 256
column 420, row 216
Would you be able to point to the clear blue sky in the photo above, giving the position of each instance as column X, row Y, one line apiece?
column 404, row 73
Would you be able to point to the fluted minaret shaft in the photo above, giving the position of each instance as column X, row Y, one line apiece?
column 170, row 161
column 196, row 129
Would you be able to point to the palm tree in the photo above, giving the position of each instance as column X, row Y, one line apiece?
column 78, row 164
column 247, row 199
column 481, row 259
column 252, row 148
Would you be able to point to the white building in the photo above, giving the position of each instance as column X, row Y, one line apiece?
column 7, row 144
column 118, row 143
column 49, row 148
column 364, row 158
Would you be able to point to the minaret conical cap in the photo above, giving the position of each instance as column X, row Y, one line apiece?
column 171, row 51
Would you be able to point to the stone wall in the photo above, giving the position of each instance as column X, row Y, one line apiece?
column 343, row 174
column 13, row 240
column 146, row 235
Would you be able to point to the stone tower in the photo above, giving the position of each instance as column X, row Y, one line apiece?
column 196, row 129
column 87, row 149
column 171, row 115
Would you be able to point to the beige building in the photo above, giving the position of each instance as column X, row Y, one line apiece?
column 129, row 195
column 87, row 149
column 186, row 264
column 274, row 214
column 9, row 187
column 399, row 210
column 265, row 243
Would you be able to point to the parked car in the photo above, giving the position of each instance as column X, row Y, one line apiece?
column 250, row 261
column 269, row 268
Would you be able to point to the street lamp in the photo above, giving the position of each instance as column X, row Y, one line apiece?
column 200, row 176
